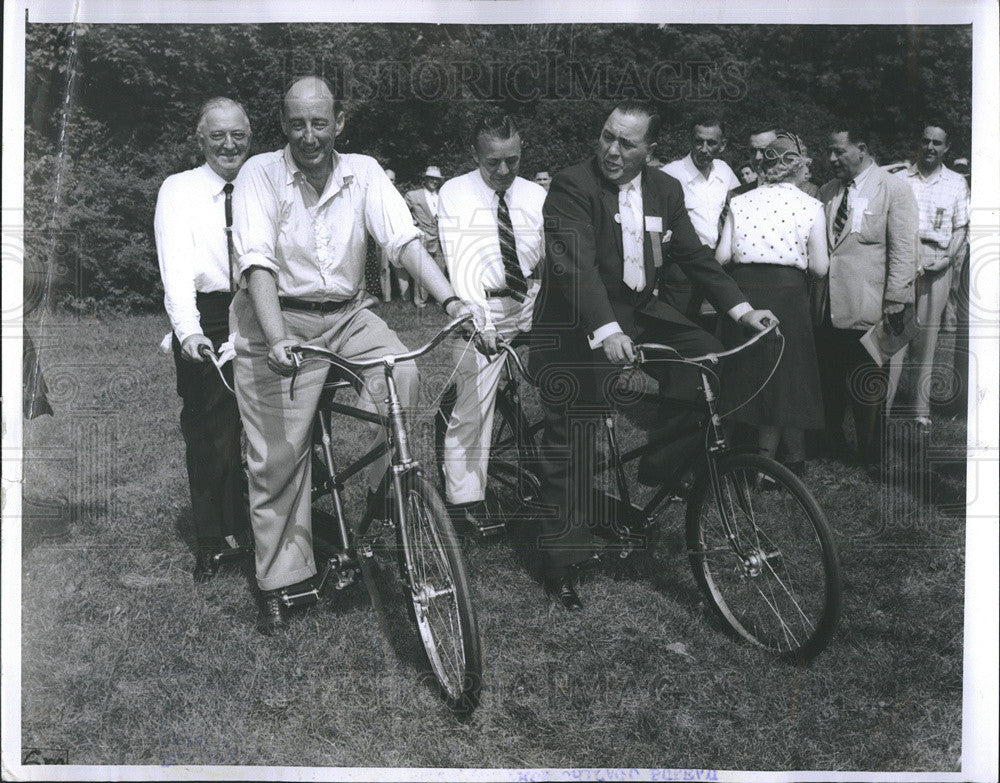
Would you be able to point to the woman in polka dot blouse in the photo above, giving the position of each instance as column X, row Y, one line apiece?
column 774, row 236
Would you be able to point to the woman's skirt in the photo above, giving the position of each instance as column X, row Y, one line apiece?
column 792, row 396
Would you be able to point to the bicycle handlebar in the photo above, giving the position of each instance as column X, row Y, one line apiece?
column 207, row 353
column 302, row 353
column 643, row 348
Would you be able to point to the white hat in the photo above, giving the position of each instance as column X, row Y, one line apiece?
column 433, row 171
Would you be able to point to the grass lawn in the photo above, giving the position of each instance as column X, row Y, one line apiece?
column 125, row 661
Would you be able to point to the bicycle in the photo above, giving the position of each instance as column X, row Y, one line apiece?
column 428, row 555
column 757, row 541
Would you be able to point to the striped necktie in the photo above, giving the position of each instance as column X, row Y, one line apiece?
column 841, row 217
column 508, row 251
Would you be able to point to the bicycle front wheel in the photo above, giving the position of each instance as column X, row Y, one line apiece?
column 439, row 592
column 763, row 554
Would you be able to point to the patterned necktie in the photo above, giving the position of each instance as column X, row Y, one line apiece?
column 228, row 190
column 841, row 217
column 633, row 275
column 508, row 251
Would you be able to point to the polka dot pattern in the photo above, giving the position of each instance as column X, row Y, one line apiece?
column 771, row 225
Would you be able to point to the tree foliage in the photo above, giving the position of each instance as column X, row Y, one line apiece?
column 412, row 92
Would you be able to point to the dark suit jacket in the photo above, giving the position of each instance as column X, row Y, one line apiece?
column 582, row 287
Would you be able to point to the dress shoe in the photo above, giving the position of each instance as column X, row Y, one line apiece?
column 271, row 619
column 207, row 556
column 560, row 586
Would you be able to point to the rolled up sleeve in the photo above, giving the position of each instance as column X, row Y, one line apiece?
column 255, row 220
column 387, row 217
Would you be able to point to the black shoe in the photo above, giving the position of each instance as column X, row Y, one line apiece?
column 560, row 586
column 271, row 619
column 207, row 557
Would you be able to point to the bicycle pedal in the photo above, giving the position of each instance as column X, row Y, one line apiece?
column 489, row 531
column 304, row 598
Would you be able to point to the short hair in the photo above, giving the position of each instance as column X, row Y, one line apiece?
column 217, row 102
column 337, row 103
column 763, row 126
column 935, row 122
column 857, row 132
column 495, row 125
column 709, row 121
column 633, row 107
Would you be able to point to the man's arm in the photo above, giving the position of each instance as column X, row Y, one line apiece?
column 571, row 257
column 175, row 250
column 263, row 289
column 902, row 222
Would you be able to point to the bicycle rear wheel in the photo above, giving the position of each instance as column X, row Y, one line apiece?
column 776, row 583
column 440, row 600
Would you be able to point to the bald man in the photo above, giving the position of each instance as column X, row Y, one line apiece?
column 193, row 251
column 302, row 213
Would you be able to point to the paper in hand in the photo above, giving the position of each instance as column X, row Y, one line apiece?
column 882, row 344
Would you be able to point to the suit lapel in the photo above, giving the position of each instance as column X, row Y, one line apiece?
column 609, row 199
column 651, row 205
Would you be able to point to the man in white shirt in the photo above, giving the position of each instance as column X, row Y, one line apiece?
column 490, row 226
column 706, row 179
column 193, row 212
column 302, row 217
column 942, row 199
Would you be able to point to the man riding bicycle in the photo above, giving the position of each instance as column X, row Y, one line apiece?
column 301, row 217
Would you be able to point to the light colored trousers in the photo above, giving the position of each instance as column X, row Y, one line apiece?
column 932, row 295
column 467, row 439
column 279, row 429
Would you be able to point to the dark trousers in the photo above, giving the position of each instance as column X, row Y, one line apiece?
column 210, row 423
column 849, row 376
column 576, row 400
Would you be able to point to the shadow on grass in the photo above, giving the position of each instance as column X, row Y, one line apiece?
column 48, row 521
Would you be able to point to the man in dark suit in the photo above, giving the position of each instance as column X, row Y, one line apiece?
column 609, row 222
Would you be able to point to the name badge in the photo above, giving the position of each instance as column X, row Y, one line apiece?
column 654, row 224
column 859, row 206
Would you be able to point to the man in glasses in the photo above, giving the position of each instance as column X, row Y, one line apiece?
column 193, row 215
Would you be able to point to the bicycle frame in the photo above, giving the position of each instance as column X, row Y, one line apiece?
column 711, row 424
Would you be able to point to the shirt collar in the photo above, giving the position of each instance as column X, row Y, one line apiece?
column 341, row 177
column 692, row 172
column 637, row 182
column 861, row 176
column 217, row 182
column 913, row 170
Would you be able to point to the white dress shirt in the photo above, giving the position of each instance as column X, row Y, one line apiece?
column 314, row 243
column 467, row 228
column 432, row 201
column 704, row 198
column 191, row 247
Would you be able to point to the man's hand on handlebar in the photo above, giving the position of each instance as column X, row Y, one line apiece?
column 618, row 348
column 487, row 342
column 279, row 357
column 758, row 319
column 193, row 345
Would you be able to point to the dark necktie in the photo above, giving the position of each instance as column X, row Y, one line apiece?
column 841, row 217
column 228, row 190
column 508, row 251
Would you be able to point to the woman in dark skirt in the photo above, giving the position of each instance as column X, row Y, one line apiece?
column 775, row 235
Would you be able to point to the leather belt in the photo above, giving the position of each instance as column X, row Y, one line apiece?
column 304, row 305
column 505, row 293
